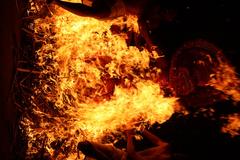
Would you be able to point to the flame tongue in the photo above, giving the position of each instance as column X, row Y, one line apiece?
column 127, row 107
column 94, row 81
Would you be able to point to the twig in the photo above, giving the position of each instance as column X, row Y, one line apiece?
column 19, row 107
column 30, row 17
column 17, row 6
column 27, row 71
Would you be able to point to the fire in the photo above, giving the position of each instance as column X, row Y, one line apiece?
column 226, row 80
column 127, row 107
column 233, row 125
column 93, row 83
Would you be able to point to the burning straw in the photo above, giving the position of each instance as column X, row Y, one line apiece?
column 79, row 78
column 85, row 81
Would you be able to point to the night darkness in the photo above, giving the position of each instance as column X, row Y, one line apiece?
column 191, row 137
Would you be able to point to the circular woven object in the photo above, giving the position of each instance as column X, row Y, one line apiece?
column 192, row 65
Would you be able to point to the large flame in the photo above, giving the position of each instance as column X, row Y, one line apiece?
column 93, row 82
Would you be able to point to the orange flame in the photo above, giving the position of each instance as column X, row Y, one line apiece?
column 97, row 83
column 226, row 80
column 233, row 125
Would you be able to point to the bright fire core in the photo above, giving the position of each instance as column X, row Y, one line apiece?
column 93, row 82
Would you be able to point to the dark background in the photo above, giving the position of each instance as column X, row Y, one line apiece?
column 8, row 29
column 214, row 20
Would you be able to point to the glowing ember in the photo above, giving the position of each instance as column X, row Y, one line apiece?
column 233, row 125
column 94, row 83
